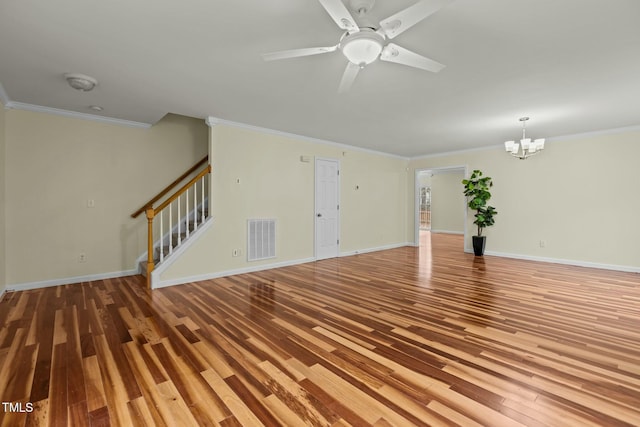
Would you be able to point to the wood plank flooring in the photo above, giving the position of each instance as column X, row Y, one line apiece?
column 408, row 336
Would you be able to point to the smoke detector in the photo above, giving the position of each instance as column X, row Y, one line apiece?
column 81, row 82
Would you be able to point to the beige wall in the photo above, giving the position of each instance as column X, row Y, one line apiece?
column 447, row 202
column 3, row 249
column 56, row 164
column 274, row 183
column 579, row 196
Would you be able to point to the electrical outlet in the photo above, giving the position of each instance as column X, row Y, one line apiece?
column 82, row 257
column 543, row 243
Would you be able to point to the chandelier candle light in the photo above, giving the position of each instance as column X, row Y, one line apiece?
column 529, row 148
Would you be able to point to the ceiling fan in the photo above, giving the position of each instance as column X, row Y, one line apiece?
column 363, row 43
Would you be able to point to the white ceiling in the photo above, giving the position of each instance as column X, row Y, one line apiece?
column 573, row 66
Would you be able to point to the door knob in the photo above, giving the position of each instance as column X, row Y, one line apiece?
column 319, row 215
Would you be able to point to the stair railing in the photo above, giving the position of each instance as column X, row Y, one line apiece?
column 175, row 210
column 169, row 187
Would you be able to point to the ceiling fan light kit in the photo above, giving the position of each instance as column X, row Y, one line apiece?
column 362, row 44
column 363, row 47
column 526, row 147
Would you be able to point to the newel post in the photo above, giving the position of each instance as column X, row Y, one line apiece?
column 150, row 264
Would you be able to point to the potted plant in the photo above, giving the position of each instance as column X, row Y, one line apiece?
column 476, row 188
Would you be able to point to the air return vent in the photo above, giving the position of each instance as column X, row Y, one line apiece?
column 262, row 239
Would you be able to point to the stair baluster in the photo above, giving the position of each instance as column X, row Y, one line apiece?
column 186, row 211
column 169, row 203
column 202, row 189
column 161, row 238
column 170, row 229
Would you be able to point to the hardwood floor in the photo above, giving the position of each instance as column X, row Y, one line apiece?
column 399, row 337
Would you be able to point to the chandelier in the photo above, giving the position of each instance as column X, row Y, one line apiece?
column 526, row 148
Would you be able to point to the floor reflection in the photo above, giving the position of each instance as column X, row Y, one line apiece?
column 262, row 297
column 478, row 264
column 426, row 261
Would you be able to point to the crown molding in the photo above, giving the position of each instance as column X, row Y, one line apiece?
column 634, row 128
column 211, row 121
column 214, row 121
column 75, row 115
column 455, row 152
column 11, row 105
column 584, row 135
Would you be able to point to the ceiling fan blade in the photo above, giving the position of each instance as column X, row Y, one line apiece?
column 294, row 53
column 348, row 77
column 394, row 53
column 407, row 18
column 339, row 12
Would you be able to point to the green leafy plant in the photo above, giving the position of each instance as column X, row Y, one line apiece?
column 476, row 188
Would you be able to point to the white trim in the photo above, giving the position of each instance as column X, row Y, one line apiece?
column 634, row 128
column 75, row 114
column 213, row 121
column 376, row 249
column 591, row 134
column 156, row 284
column 577, row 263
column 69, row 280
column 208, row 276
column 165, row 237
column 461, row 233
column 155, row 274
column 4, row 98
column 455, row 152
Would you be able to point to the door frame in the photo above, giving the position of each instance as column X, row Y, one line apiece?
column 416, row 221
column 315, row 207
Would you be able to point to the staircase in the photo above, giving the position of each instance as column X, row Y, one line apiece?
column 177, row 219
column 171, row 244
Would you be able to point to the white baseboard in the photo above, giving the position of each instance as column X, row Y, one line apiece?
column 161, row 267
column 376, row 249
column 157, row 283
column 461, row 233
column 577, row 263
column 215, row 275
column 69, row 280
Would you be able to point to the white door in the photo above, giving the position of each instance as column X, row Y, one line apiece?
column 327, row 219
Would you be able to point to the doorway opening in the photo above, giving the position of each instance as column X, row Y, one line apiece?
column 425, row 207
column 440, row 206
